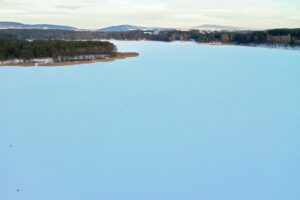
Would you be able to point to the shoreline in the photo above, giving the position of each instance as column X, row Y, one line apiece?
column 119, row 56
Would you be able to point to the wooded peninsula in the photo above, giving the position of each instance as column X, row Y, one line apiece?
column 19, row 51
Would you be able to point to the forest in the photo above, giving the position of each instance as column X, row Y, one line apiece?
column 13, row 48
column 285, row 37
column 27, row 44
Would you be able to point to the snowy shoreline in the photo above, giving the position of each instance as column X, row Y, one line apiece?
column 62, row 61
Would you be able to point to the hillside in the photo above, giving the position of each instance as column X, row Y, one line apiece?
column 15, row 25
column 126, row 28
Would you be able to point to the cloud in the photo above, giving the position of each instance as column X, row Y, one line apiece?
column 167, row 13
column 69, row 7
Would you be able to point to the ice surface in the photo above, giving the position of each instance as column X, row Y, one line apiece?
column 181, row 122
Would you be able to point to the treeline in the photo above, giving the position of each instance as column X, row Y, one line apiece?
column 287, row 37
column 12, row 48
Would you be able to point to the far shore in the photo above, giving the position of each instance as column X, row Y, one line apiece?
column 70, row 63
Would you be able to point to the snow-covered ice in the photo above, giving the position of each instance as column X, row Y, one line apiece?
column 182, row 121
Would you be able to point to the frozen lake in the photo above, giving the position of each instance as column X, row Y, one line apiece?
column 180, row 122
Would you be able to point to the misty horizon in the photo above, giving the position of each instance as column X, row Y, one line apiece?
column 142, row 25
column 169, row 14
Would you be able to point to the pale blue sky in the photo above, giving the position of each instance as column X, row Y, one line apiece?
column 165, row 13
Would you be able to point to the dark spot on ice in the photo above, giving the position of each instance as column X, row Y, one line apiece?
column 22, row 122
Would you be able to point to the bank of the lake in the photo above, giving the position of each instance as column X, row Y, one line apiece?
column 48, row 62
column 15, row 51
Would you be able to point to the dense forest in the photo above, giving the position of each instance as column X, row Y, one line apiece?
column 285, row 37
column 13, row 48
column 27, row 44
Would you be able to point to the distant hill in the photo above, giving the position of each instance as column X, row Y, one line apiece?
column 125, row 28
column 120, row 28
column 15, row 25
column 211, row 27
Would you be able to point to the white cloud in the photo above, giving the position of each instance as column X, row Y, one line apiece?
column 169, row 13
